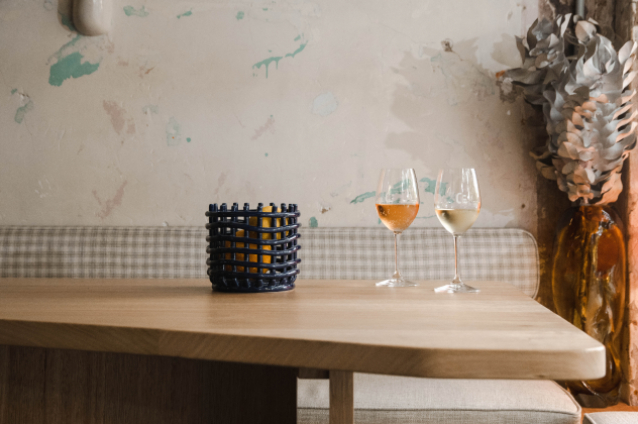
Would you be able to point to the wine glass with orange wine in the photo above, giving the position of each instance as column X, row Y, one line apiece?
column 457, row 203
column 397, row 203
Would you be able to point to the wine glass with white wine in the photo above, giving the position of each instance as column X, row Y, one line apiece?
column 397, row 204
column 457, row 202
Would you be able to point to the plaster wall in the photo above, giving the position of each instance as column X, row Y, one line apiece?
column 188, row 103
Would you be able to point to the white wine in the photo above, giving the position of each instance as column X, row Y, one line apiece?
column 457, row 221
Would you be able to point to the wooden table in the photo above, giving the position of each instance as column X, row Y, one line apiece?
column 170, row 351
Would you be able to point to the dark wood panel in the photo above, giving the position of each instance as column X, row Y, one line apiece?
column 65, row 386
column 22, row 387
column 274, row 402
column 70, row 376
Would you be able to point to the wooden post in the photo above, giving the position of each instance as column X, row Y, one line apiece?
column 624, row 18
column 629, row 207
column 341, row 397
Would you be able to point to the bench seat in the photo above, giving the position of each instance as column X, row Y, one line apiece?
column 617, row 417
column 381, row 399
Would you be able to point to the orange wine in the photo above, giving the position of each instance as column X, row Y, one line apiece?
column 457, row 221
column 397, row 217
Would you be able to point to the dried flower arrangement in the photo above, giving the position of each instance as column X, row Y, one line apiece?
column 581, row 83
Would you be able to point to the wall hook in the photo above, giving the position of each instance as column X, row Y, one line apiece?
column 92, row 17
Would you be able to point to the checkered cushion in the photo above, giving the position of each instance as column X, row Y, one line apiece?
column 508, row 255
column 327, row 253
column 103, row 252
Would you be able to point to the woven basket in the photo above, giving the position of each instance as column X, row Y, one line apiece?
column 255, row 250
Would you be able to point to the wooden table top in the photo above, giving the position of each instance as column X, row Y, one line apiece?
column 340, row 325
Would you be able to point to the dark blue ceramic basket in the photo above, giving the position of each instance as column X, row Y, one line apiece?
column 253, row 251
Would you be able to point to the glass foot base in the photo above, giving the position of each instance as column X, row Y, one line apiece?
column 393, row 282
column 456, row 288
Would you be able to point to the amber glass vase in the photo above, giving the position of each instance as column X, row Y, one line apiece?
column 588, row 284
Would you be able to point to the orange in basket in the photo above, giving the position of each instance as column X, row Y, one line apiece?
column 253, row 220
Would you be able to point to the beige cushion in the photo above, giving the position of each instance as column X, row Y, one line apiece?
column 498, row 254
column 611, row 418
column 504, row 254
column 383, row 399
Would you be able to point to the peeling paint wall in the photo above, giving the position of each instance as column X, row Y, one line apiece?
column 187, row 103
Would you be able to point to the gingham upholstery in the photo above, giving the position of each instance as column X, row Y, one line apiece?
column 508, row 255
column 103, row 252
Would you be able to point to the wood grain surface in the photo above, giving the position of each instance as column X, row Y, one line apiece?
column 58, row 386
column 335, row 325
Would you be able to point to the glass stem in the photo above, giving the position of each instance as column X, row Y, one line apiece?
column 397, row 274
column 457, row 277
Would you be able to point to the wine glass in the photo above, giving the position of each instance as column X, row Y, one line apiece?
column 397, row 202
column 457, row 203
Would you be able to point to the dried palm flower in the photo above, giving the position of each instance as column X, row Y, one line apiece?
column 586, row 103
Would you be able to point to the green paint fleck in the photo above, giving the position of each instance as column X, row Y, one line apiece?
column 130, row 11
column 299, row 50
column 150, row 108
column 23, row 111
column 266, row 155
column 267, row 62
column 431, row 184
column 264, row 9
column 313, row 222
column 360, row 198
column 15, row 90
column 379, row 222
column 276, row 59
column 70, row 67
column 173, row 131
column 67, row 22
column 188, row 139
column 240, row 16
column 190, row 12
column 431, row 187
column 297, row 38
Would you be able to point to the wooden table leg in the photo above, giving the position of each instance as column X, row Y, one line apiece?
column 67, row 387
column 341, row 397
column 313, row 373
